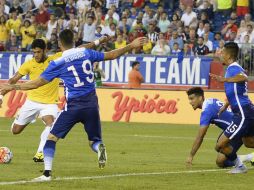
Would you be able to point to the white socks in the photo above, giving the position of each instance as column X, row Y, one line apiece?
column 238, row 162
column 44, row 137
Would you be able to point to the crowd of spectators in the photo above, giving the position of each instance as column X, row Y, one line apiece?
column 190, row 27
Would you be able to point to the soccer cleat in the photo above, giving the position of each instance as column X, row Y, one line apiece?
column 42, row 178
column 38, row 157
column 239, row 169
column 102, row 156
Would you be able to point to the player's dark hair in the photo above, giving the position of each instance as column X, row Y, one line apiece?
column 66, row 38
column 195, row 90
column 38, row 43
column 233, row 49
column 134, row 64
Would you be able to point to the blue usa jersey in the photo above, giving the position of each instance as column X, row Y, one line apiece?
column 75, row 68
column 237, row 93
column 210, row 111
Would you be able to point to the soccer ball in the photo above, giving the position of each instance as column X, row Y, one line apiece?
column 5, row 155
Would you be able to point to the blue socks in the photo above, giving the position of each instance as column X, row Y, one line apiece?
column 95, row 146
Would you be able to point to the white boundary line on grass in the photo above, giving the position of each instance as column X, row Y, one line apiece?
column 168, row 137
column 115, row 175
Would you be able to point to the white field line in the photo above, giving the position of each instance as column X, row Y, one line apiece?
column 164, row 137
column 115, row 176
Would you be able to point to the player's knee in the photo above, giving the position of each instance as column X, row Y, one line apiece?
column 52, row 137
column 15, row 130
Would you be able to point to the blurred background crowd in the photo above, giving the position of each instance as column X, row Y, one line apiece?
column 190, row 27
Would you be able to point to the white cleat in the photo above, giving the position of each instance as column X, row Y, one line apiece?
column 42, row 178
column 102, row 156
column 239, row 170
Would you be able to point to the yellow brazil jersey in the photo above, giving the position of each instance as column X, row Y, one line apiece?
column 120, row 45
column 3, row 33
column 15, row 25
column 26, row 39
column 47, row 94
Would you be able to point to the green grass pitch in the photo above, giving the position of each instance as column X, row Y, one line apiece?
column 140, row 157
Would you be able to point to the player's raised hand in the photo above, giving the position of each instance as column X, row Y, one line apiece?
column 217, row 77
column 138, row 42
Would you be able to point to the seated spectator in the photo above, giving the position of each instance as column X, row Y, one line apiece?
column 16, row 7
column 168, row 34
column 206, row 7
column 241, row 29
column 12, row 44
column 147, row 47
column 4, row 33
column 248, row 19
column 232, row 37
column 98, row 32
column 187, row 51
column 208, row 43
column 161, row 47
column 176, row 22
column 51, row 24
column 42, row 17
column 152, row 34
column 176, row 39
column 208, row 31
column 14, row 23
column 249, row 32
column 70, row 7
column 217, row 39
column 148, row 18
column 28, row 33
column 201, row 48
column 52, row 45
column 120, row 42
column 175, row 50
column 26, row 5
column 192, row 41
column 124, row 26
column 189, row 17
column 164, row 23
column 218, row 51
column 201, row 29
column 112, row 14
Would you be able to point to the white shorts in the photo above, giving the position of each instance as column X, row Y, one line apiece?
column 30, row 110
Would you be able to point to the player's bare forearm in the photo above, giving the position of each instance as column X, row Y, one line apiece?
column 12, row 80
column 198, row 141
column 237, row 78
column 117, row 53
column 25, row 86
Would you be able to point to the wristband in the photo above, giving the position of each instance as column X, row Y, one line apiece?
column 1, row 96
column 97, row 42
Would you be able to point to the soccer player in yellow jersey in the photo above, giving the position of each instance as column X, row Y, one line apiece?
column 42, row 101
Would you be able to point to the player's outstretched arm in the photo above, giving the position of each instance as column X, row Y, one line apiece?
column 197, row 143
column 238, row 78
column 95, row 43
column 118, row 52
column 25, row 86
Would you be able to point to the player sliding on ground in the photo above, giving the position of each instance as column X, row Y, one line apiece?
column 242, row 126
column 41, row 101
column 75, row 68
column 210, row 115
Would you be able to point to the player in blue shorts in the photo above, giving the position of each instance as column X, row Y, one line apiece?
column 209, row 115
column 75, row 68
column 242, row 126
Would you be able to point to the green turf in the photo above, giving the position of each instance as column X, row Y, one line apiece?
column 132, row 148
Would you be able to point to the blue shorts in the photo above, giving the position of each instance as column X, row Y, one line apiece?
column 83, row 109
column 242, row 124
